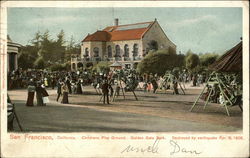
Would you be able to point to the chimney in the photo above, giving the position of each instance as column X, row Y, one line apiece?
column 116, row 21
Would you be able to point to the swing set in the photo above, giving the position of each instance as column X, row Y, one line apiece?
column 169, row 79
column 227, row 97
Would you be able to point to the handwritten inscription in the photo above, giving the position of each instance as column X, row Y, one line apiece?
column 177, row 149
column 148, row 149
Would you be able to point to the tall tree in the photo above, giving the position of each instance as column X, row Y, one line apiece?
column 72, row 49
column 60, row 46
column 192, row 61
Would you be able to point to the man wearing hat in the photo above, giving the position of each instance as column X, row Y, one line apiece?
column 105, row 91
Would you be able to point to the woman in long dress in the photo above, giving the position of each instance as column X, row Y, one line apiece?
column 79, row 87
column 65, row 92
column 39, row 96
column 31, row 93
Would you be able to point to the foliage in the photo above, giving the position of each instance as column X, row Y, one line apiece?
column 27, row 56
column 39, row 63
column 171, row 50
column 158, row 62
column 57, row 67
column 189, row 52
column 102, row 66
column 72, row 49
column 208, row 59
column 192, row 61
column 181, row 60
column 52, row 51
column 67, row 65
column 199, row 69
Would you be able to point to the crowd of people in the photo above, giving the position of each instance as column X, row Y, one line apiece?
column 36, row 81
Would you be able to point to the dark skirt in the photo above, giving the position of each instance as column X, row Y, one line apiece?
column 30, row 99
column 65, row 99
column 79, row 89
column 39, row 99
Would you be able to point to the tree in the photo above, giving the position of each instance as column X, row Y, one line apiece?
column 36, row 41
column 59, row 49
column 24, row 61
column 72, row 49
column 46, row 47
column 102, row 66
column 189, row 52
column 208, row 59
column 28, row 54
column 192, row 61
column 44, row 51
column 181, row 60
column 39, row 63
column 158, row 62
column 56, row 67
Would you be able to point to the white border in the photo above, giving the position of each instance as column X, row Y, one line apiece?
column 80, row 148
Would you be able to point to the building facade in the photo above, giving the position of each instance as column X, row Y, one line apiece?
column 126, row 44
column 12, row 51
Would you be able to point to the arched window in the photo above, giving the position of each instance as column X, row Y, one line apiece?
column 96, row 52
column 126, row 51
column 117, row 51
column 109, row 52
column 79, row 65
column 86, row 52
column 135, row 50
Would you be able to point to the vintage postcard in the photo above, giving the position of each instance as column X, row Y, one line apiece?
column 124, row 79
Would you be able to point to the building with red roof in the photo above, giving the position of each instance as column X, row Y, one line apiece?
column 127, row 44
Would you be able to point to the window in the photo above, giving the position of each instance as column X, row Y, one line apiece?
column 96, row 52
column 135, row 50
column 86, row 52
column 126, row 51
column 109, row 52
column 117, row 51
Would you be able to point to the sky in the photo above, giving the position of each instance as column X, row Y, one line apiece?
column 200, row 29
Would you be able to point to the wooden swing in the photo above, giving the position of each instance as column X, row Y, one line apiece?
column 167, row 80
column 229, row 99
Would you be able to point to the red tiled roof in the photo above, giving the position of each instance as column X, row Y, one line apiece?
column 98, row 36
column 120, row 33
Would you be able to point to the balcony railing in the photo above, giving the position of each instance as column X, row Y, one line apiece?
column 126, row 58
column 76, row 59
column 96, row 59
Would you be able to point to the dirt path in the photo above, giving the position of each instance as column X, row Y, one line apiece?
column 161, row 105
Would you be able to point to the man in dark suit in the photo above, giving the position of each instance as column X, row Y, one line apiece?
column 105, row 91
column 59, row 90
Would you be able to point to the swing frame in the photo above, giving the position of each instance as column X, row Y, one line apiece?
column 216, row 80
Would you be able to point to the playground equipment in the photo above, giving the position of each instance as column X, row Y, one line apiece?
column 168, row 80
column 217, row 85
column 125, row 81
